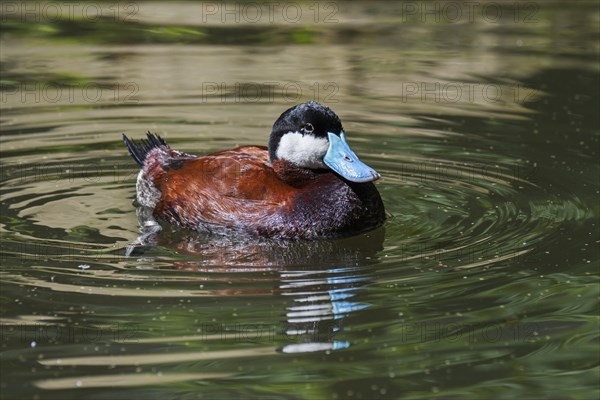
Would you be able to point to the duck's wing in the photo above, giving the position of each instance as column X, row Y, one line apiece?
column 229, row 188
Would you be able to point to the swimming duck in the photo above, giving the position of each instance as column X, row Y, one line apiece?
column 307, row 184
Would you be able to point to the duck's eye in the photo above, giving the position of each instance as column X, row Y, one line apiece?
column 308, row 127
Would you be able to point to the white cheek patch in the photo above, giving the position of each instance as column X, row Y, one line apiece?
column 303, row 150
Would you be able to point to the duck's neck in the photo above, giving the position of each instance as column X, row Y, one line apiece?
column 294, row 175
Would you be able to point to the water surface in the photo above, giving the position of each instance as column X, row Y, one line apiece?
column 483, row 283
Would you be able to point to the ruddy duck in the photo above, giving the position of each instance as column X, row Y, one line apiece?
column 307, row 184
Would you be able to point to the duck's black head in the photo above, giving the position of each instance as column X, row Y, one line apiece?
column 310, row 135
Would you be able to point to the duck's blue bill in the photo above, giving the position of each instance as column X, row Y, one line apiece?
column 342, row 160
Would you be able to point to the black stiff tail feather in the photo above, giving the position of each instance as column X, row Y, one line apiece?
column 139, row 150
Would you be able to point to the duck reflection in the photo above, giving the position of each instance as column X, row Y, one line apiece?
column 321, row 278
column 320, row 302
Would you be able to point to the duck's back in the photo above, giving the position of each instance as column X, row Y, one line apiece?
column 217, row 189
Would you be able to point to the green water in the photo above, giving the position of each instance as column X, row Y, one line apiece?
column 483, row 283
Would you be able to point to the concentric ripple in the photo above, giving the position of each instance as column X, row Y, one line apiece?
column 482, row 283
